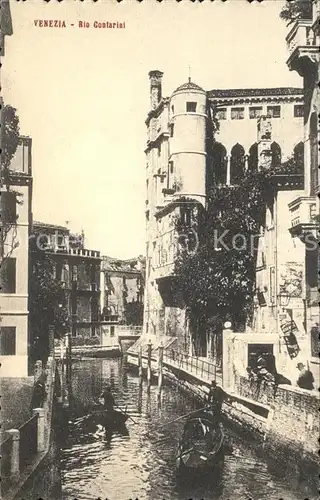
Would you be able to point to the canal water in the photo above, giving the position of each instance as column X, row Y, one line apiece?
column 140, row 463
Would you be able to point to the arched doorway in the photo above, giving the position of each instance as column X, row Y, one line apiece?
column 219, row 161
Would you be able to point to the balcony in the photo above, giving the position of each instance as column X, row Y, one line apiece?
column 304, row 216
column 303, row 46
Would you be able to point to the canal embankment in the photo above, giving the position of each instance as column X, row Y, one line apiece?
column 282, row 418
column 29, row 464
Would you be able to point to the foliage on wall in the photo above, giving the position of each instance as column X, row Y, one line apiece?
column 218, row 281
column 47, row 304
column 296, row 9
column 10, row 140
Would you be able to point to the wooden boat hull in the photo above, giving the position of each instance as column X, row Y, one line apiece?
column 199, row 456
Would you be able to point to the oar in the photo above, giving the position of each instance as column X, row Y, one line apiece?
column 179, row 418
column 125, row 413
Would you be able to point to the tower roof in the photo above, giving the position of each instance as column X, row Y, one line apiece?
column 189, row 86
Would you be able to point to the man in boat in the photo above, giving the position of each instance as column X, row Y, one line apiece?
column 215, row 399
column 108, row 399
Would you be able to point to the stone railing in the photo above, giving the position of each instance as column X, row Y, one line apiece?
column 82, row 252
column 24, row 446
column 129, row 330
column 303, row 210
column 301, row 35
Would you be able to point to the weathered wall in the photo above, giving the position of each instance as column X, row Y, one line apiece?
column 293, row 417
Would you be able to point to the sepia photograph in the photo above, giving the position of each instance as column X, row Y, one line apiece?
column 159, row 249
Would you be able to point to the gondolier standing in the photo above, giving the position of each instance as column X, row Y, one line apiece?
column 215, row 398
column 108, row 399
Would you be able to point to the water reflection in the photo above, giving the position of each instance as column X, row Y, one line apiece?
column 140, row 461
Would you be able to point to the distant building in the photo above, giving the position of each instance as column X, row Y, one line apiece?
column 122, row 289
column 79, row 271
column 16, row 216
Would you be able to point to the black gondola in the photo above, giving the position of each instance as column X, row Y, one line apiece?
column 201, row 444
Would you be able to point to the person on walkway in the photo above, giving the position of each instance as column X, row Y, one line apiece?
column 39, row 392
column 215, row 398
column 108, row 399
column 305, row 378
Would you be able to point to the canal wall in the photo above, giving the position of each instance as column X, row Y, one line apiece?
column 284, row 421
column 31, row 457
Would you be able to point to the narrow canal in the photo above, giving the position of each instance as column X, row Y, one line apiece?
column 140, row 463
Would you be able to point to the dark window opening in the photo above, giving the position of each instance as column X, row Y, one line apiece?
column 171, row 127
column 74, row 273
column 237, row 164
column 237, row 113
column 298, row 155
column 171, row 166
column 253, row 157
column 8, row 276
column 298, row 110
column 219, row 163
column 8, row 340
column 191, row 107
column 255, row 112
column 221, row 114
column 172, row 108
column 112, row 331
column 276, row 154
column 8, row 205
column 274, row 111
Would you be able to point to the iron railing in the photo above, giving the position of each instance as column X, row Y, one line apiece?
column 191, row 364
column 28, row 441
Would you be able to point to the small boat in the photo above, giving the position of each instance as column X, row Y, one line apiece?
column 100, row 416
column 201, row 444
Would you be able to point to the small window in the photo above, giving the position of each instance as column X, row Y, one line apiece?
column 221, row 114
column 237, row 113
column 7, row 340
column 171, row 167
column 172, row 108
column 8, row 276
column 273, row 111
column 255, row 112
column 8, row 206
column 191, row 107
column 298, row 110
column 74, row 273
column 171, row 128
column 111, row 331
column 159, row 150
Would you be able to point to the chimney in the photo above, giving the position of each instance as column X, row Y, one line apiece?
column 155, row 77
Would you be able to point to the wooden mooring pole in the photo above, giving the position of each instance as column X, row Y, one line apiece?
column 149, row 363
column 160, row 365
column 140, row 364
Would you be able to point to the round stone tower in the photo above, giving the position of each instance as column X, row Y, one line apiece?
column 188, row 113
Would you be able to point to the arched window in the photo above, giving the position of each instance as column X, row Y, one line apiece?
column 276, row 154
column 237, row 163
column 298, row 155
column 253, row 157
column 219, row 162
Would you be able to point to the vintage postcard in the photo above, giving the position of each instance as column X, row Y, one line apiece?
column 159, row 257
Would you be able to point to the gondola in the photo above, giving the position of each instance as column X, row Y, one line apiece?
column 113, row 419
column 201, row 445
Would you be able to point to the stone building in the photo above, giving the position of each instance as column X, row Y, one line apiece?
column 303, row 42
column 16, row 216
column 179, row 171
column 79, row 271
column 122, row 289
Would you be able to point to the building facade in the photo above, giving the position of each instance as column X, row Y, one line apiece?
column 16, row 216
column 303, row 42
column 122, row 289
column 182, row 165
column 78, row 269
